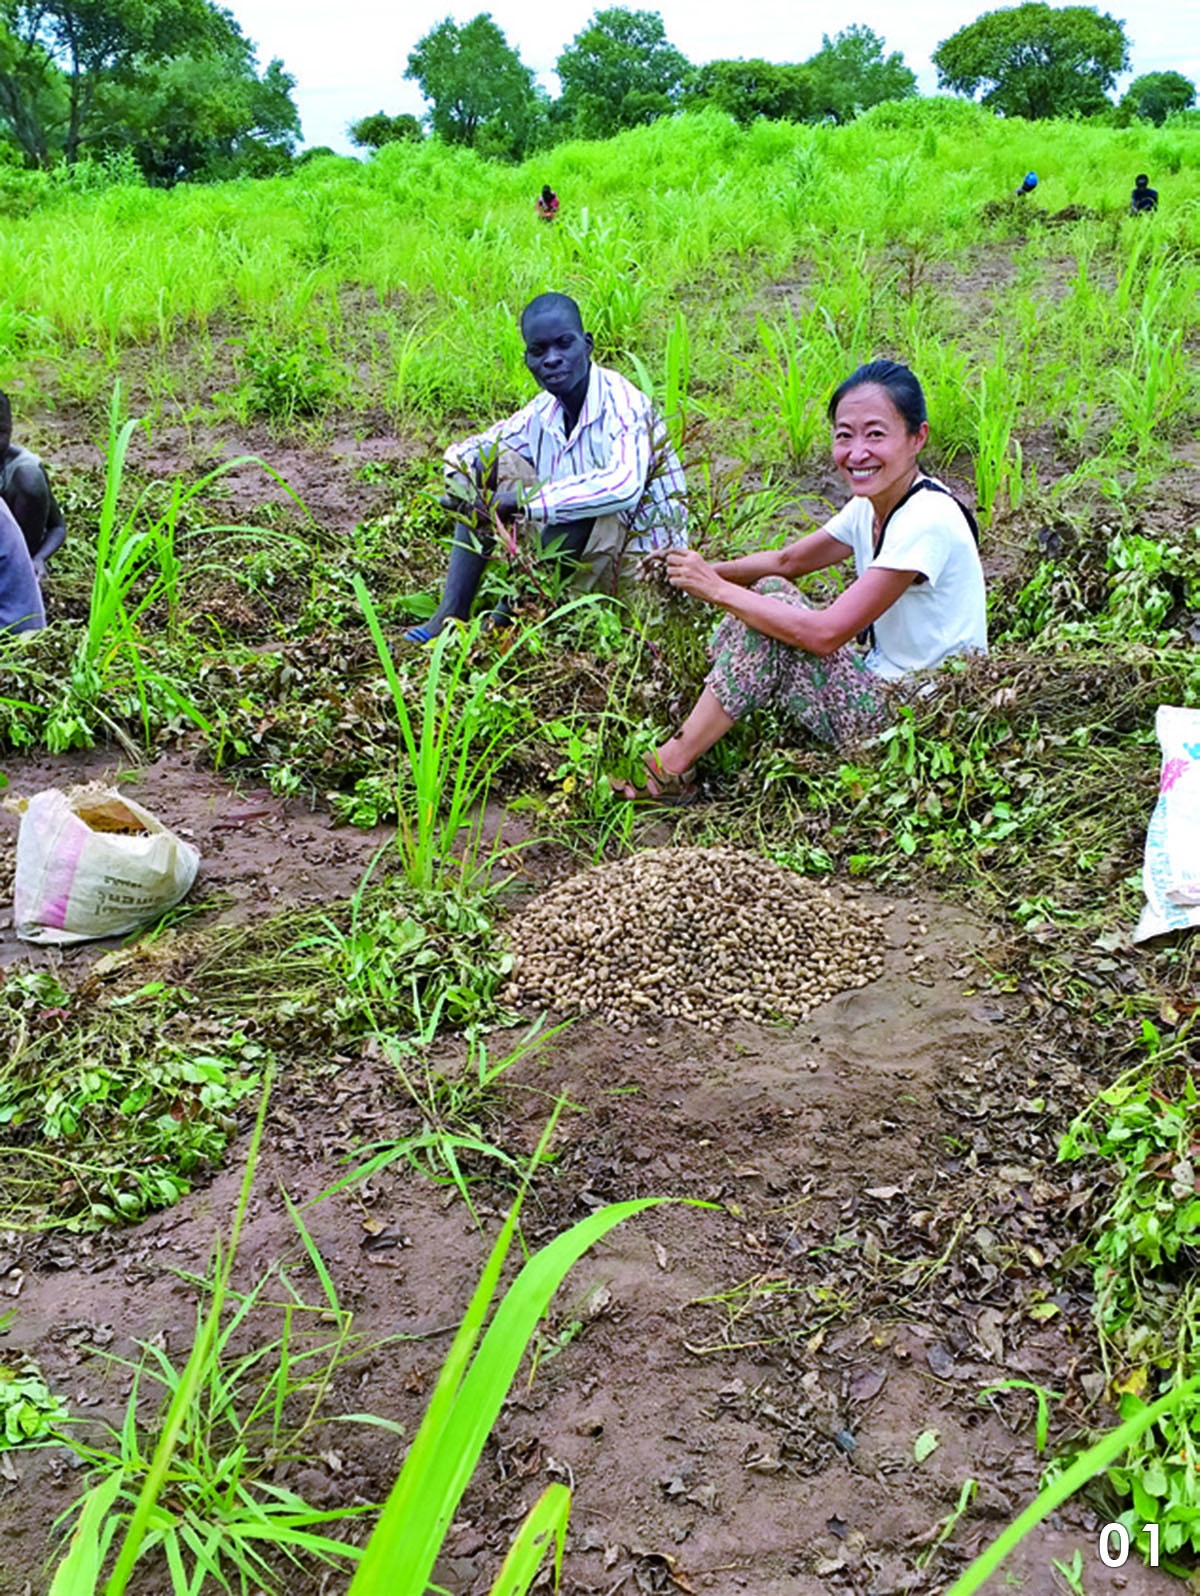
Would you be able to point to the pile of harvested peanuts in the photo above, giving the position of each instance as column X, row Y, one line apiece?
column 700, row 934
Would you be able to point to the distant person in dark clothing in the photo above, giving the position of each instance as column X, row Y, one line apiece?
column 1143, row 198
column 1028, row 183
column 25, row 489
column 547, row 203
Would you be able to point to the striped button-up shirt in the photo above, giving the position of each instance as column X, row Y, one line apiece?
column 618, row 461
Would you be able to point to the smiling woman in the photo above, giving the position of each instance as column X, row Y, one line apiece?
column 918, row 597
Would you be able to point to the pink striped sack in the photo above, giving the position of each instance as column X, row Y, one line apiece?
column 93, row 863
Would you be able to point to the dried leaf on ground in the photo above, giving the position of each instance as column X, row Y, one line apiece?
column 990, row 1335
column 866, row 1384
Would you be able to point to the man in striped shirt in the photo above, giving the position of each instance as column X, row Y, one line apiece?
column 587, row 464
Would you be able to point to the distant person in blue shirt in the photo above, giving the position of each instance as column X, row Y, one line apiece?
column 1028, row 183
column 1143, row 198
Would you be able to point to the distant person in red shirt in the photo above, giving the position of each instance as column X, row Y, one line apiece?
column 547, row 203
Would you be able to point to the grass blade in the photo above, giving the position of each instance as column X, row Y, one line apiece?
column 79, row 1570
column 400, row 1555
column 547, row 1517
column 1084, row 1468
column 191, row 1379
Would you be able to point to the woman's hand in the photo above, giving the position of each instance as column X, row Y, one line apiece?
column 692, row 574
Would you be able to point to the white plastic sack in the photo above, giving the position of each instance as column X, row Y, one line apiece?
column 1171, row 872
column 93, row 863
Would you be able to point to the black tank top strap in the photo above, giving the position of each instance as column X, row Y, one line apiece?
column 867, row 635
column 934, row 487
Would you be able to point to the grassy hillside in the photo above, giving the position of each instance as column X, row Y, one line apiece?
column 397, row 283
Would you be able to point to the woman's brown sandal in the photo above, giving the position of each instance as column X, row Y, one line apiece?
column 662, row 786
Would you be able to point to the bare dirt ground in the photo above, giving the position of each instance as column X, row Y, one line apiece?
column 735, row 1391
column 259, row 853
column 328, row 474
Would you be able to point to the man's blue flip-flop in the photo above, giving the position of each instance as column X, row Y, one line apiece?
column 421, row 635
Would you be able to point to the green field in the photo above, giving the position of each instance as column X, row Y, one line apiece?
column 296, row 353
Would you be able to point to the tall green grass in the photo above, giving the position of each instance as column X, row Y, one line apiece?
column 451, row 745
column 999, row 479
column 693, row 211
column 793, row 389
column 137, row 572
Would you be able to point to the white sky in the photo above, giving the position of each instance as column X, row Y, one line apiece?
column 349, row 59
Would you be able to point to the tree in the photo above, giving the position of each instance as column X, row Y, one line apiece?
column 476, row 84
column 33, row 96
column 87, row 44
column 1035, row 61
column 203, row 116
column 1155, row 95
column 373, row 132
column 746, row 90
column 619, row 71
column 850, row 73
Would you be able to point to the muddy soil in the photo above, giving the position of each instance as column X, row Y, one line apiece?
column 734, row 1391
column 341, row 476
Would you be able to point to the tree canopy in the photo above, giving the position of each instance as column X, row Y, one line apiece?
column 1036, row 61
column 57, row 56
column 173, row 82
column 373, row 132
column 201, row 116
column 619, row 71
column 850, row 73
column 1155, row 95
column 747, row 90
column 480, row 92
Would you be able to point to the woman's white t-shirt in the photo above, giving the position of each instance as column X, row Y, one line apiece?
column 931, row 620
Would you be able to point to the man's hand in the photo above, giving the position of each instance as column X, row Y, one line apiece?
column 507, row 505
column 692, row 574
column 479, row 512
column 39, row 567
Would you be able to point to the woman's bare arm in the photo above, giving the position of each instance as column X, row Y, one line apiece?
column 815, row 552
column 815, row 631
